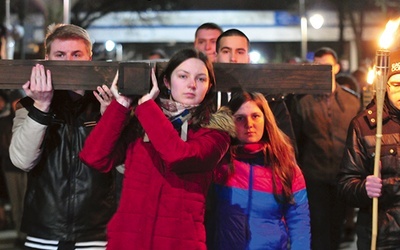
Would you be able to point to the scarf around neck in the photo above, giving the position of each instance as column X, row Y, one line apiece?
column 179, row 114
column 252, row 153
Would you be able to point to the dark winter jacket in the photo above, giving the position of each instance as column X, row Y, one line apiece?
column 65, row 199
column 320, row 123
column 358, row 163
column 246, row 214
column 166, row 179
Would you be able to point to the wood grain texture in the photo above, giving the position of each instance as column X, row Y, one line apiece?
column 134, row 77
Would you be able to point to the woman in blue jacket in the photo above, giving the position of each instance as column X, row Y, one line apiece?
column 260, row 193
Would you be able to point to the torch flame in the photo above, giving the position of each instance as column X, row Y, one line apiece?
column 387, row 36
column 371, row 76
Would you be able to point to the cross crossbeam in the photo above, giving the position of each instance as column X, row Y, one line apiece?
column 134, row 77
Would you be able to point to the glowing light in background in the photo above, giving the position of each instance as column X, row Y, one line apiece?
column 255, row 56
column 110, row 45
column 371, row 76
column 317, row 21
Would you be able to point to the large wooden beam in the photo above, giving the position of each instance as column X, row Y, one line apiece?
column 272, row 78
column 84, row 75
column 134, row 77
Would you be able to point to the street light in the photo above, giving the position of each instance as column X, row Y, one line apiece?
column 317, row 21
column 111, row 46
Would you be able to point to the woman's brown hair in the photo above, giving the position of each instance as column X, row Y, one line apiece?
column 278, row 151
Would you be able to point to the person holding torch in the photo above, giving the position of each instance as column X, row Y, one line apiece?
column 356, row 181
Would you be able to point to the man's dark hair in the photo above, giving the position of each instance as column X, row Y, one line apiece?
column 348, row 81
column 325, row 51
column 232, row 32
column 208, row 26
column 160, row 52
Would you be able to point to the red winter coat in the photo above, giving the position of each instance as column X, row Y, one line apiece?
column 166, row 180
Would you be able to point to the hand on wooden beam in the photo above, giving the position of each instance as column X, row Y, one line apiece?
column 121, row 99
column 104, row 96
column 40, row 88
column 154, row 90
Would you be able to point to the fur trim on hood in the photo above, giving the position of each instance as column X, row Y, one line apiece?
column 223, row 120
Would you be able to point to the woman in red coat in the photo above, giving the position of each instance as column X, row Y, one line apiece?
column 170, row 148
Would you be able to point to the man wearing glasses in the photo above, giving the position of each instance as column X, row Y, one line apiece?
column 357, row 184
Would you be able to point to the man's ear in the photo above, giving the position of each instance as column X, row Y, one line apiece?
column 336, row 68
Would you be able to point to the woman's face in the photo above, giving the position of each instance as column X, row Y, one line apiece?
column 189, row 82
column 249, row 123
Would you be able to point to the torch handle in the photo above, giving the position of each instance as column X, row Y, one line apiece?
column 382, row 61
column 376, row 173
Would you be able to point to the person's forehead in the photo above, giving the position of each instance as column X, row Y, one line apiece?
column 68, row 43
column 69, row 46
column 208, row 33
column 325, row 59
column 249, row 107
column 394, row 78
column 234, row 42
column 192, row 65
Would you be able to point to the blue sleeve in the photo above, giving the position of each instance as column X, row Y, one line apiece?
column 298, row 222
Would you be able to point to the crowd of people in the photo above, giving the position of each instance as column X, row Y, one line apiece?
column 186, row 167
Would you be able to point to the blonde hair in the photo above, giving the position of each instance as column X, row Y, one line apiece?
column 66, row 32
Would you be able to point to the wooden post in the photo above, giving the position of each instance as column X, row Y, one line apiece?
column 134, row 77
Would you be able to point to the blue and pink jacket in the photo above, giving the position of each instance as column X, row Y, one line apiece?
column 246, row 213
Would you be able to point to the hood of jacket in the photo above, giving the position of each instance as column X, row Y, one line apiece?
column 222, row 120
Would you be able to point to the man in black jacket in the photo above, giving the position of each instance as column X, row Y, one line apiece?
column 67, row 204
column 320, row 123
column 357, row 184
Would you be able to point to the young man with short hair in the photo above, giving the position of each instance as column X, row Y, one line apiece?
column 205, row 39
column 67, row 204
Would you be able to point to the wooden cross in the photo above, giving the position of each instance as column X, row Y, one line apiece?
column 134, row 77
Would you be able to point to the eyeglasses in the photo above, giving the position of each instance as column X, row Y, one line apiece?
column 394, row 84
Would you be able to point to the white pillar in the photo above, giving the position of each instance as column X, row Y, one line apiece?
column 8, row 42
column 303, row 27
column 354, row 63
column 67, row 12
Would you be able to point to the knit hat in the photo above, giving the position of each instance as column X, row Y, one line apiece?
column 394, row 63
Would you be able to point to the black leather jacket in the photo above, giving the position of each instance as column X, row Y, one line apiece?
column 65, row 199
column 358, row 163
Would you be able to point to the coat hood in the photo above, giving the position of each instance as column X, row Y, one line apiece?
column 222, row 120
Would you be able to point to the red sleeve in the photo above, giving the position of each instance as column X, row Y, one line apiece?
column 201, row 152
column 101, row 142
